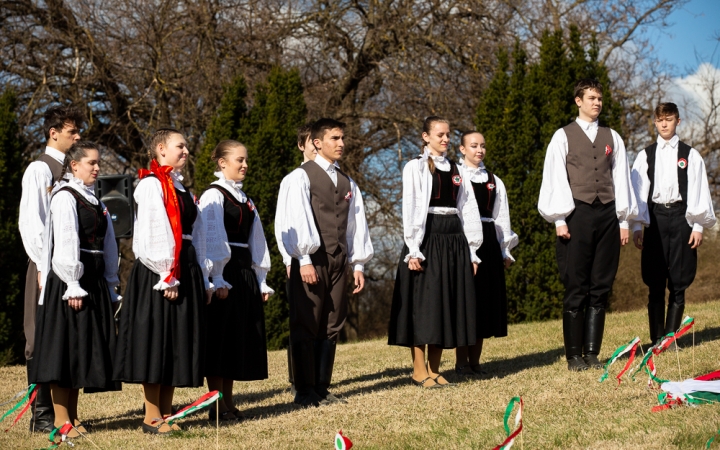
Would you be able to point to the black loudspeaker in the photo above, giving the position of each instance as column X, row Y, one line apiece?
column 116, row 192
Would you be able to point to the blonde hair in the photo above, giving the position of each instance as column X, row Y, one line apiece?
column 223, row 149
column 427, row 127
column 160, row 136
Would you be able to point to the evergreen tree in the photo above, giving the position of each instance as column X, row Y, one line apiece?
column 224, row 126
column 518, row 113
column 270, row 134
column 12, row 265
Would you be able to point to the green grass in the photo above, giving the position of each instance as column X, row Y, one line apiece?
column 562, row 409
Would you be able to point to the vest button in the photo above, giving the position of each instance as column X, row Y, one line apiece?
column 595, row 169
column 596, row 181
column 336, row 192
column 336, row 203
column 594, row 157
column 337, row 215
column 593, row 146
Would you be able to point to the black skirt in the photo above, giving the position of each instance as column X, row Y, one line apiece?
column 162, row 341
column 236, row 345
column 75, row 349
column 436, row 306
column 490, row 286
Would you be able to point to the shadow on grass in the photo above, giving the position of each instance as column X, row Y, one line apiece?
column 500, row 368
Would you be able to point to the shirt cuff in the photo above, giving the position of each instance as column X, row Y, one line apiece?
column 560, row 223
column 162, row 285
column 358, row 268
column 697, row 228
column 219, row 282
column 265, row 289
column 624, row 224
column 414, row 253
column 74, row 290
column 305, row 260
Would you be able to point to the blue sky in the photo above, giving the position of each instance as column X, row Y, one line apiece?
column 694, row 28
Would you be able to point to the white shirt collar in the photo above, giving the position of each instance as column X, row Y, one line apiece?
column 236, row 185
column 325, row 164
column 587, row 125
column 426, row 154
column 673, row 142
column 469, row 169
column 77, row 185
column 55, row 154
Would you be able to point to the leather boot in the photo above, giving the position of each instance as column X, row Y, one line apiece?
column 656, row 318
column 303, row 369
column 593, row 336
column 290, row 370
column 673, row 320
column 573, row 322
column 43, row 414
column 325, row 361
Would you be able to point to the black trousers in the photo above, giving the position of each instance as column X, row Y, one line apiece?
column 588, row 261
column 667, row 259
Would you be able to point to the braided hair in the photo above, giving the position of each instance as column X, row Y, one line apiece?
column 75, row 153
column 427, row 127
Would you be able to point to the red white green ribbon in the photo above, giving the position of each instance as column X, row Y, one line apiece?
column 63, row 430
column 696, row 391
column 710, row 441
column 510, row 440
column 29, row 397
column 669, row 338
column 342, row 442
column 195, row 406
column 629, row 347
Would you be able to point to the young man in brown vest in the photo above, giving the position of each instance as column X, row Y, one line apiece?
column 62, row 129
column 674, row 206
column 324, row 230
column 586, row 192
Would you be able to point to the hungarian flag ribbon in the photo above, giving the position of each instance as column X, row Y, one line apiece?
column 669, row 338
column 63, row 430
column 342, row 442
column 23, row 411
column 695, row 391
column 195, row 406
column 29, row 394
column 710, row 441
column 510, row 440
column 629, row 347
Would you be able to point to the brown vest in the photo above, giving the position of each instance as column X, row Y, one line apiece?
column 330, row 206
column 589, row 169
column 55, row 167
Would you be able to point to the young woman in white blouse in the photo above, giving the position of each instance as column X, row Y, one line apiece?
column 75, row 329
column 434, row 298
column 161, row 341
column 498, row 240
column 236, row 248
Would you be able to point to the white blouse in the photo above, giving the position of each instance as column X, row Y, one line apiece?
column 556, row 199
column 218, row 248
column 501, row 210
column 35, row 202
column 153, row 241
column 61, row 240
column 295, row 222
column 417, row 189
column 700, row 212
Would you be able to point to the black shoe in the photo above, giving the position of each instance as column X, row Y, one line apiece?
column 309, row 400
column 43, row 414
column 656, row 320
column 592, row 361
column 155, row 427
column 225, row 417
column 577, row 364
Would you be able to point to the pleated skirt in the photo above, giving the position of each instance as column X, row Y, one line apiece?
column 162, row 341
column 236, row 343
column 436, row 306
column 490, row 287
column 75, row 349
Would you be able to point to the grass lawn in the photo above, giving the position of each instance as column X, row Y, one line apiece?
column 562, row 409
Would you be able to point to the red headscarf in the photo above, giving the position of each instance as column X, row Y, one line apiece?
column 162, row 173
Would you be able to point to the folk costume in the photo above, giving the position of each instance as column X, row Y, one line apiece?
column 586, row 186
column 673, row 195
column 490, row 291
column 162, row 341
column 442, row 228
column 34, row 207
column 240, row 261
column 75, row 349
column 322, row 222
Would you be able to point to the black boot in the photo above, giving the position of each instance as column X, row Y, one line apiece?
column 573, row 322
column 673, row 321
column 593, row 335
column 303, row 369
column 43, row 414
column 325, row 354
column 656, row 318
column 290, row 370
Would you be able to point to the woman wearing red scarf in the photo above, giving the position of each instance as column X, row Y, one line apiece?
column 161, row 340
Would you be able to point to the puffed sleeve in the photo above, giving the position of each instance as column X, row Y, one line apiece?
column 66, row 244
column 33, row 208
column 501, row 214
column 556, row 200
column 470, row 217
column 110, row 256
column 199, row 234
column 626, row 206
column 217, row 248
column 641, row 187
column 415, row 202
column 360, row 248
column 280, row 222
column 260, row 253
column 700, row 211
column 299, row 234
column 153, row 242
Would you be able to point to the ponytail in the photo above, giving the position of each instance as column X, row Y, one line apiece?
column 427, row 126
column 75, row 153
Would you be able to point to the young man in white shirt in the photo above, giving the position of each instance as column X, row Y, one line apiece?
column 586, row 193
column 324, row 230
column 62, row 129
column 674, row 206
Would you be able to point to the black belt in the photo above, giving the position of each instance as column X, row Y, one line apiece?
column 669, row 205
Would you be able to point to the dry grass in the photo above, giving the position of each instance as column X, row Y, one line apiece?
column 563, row 409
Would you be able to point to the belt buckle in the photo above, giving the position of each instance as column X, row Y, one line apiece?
column 667, row 205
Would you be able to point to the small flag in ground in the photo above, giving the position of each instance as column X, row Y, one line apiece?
column 342, row 442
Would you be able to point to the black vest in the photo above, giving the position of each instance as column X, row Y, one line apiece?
column 92, row 222
column 55, row 167
column 683, row 152
column 188, row 210
column 237, row 217
column 445, row 187
column 485, row 195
